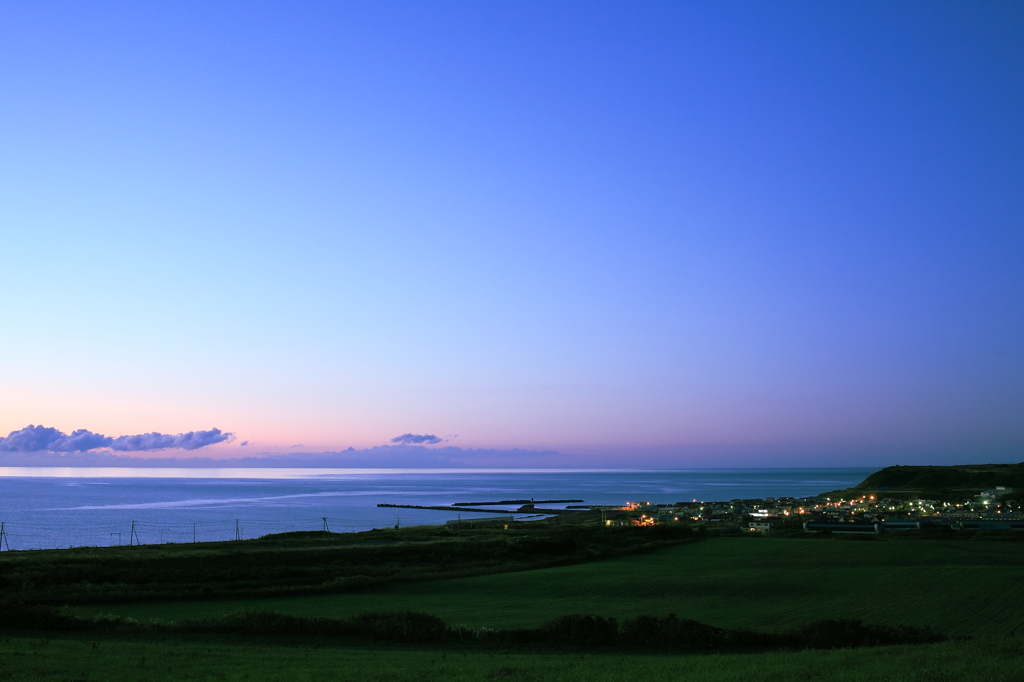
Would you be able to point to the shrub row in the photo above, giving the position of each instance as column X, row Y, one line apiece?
column 573, row 630
column 673, row 633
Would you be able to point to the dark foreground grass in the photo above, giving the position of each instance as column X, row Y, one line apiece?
column 57, row 659
column 310, row 563
column 965, row 588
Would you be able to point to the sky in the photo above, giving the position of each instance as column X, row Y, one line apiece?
column 628, row 234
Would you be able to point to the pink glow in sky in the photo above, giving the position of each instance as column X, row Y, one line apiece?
column 660, row 234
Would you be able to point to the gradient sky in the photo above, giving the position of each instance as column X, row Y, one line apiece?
column 639, row 233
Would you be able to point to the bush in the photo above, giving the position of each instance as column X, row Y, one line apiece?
column 844, row 633
column 400, row 626
column 580, row 630
column 671, row 632
column 20, row 616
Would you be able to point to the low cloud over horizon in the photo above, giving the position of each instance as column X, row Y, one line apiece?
column 21, row 452
column 416, row 439
column 40, row 438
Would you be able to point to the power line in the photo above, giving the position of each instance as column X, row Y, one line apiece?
column 52, row 535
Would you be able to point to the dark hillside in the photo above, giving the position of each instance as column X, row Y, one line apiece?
column 306, row 563
column 967, row 477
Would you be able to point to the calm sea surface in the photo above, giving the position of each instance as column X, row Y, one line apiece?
column 64, row 507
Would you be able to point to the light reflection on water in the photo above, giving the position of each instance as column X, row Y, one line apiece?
column 243, row 472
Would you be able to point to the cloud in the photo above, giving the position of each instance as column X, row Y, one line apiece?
column 34, row 438
column 193, row 440
column 244, row 443
column 416, row 439
column 79, row 441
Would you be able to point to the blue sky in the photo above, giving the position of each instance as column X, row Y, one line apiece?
column 672, row 234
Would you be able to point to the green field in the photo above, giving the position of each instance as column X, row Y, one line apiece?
column 307, row 563
column 110, row 660
column 956, row 587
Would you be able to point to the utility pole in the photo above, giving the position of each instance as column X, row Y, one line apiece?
column 238, row 533
column 3, row 537
column 133, row 536
column 193, row 533
column 162, row 534
column 326, row 529
column 118, row 538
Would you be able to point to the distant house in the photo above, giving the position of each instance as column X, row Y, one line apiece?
column 761, row 527
column 995, row 493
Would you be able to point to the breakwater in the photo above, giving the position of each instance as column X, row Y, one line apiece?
column 531, row 510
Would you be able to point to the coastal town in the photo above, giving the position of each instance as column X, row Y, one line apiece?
column 999, row 508
column 852, row 511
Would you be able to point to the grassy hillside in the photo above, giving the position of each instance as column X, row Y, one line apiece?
column 960, row 480
column 961, row 587
column 309, row 563
column 121, row 660
column 956, row 587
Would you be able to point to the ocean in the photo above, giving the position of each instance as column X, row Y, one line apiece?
column 46, row 508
